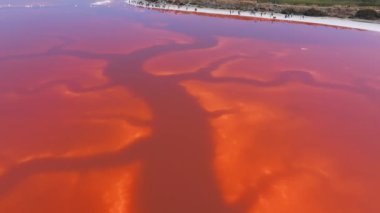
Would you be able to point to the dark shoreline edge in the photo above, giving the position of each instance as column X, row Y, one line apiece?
column 336, row 11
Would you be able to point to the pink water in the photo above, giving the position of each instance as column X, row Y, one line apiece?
column 131, row 110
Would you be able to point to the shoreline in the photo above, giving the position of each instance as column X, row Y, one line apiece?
column 323, row 21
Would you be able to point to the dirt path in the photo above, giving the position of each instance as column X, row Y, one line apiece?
column 323, row 21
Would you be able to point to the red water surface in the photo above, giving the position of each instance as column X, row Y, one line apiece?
column 129, row 110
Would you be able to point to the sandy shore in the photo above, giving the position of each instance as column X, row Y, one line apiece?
column 328, row 21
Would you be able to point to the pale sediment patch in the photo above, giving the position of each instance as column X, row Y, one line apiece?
column 101, row 3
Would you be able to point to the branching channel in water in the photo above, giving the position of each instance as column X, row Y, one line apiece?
column 177, row 158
